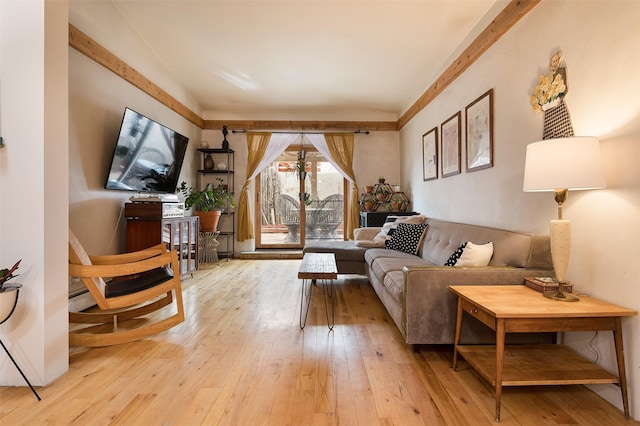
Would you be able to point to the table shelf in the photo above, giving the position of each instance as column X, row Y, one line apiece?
column 530, row 365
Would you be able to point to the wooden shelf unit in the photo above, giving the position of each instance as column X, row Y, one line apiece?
column 227, row 224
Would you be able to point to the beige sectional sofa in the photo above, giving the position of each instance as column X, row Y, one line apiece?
column 414, row 288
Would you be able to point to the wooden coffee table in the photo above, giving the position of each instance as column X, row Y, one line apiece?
column 519, row 309
column 317, row 266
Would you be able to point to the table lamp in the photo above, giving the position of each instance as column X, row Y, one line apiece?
column 560, row 165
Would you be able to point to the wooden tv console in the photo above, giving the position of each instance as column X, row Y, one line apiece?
column 179, row 233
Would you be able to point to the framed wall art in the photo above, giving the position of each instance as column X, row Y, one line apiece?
column 479, row 133
column 430, row 155
column 450, row 146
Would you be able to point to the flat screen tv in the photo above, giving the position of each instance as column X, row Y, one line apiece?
column 147, row 157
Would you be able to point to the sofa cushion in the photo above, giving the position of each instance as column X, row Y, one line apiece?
column 443, row 238
column 394, row 283
column 343, row 250
column 407, row 237
column 384, row 265
column 375, row 253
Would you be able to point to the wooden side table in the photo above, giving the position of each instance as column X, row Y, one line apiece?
column 519, row 309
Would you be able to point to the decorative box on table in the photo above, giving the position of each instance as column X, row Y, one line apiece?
column 545, row 284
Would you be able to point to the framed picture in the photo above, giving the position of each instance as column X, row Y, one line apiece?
column 450, row 146
column 479, row 133
column 430, row 155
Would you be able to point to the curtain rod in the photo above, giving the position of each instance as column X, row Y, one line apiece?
column 300, row 132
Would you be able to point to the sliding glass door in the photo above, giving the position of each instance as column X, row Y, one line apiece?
column 300, row 197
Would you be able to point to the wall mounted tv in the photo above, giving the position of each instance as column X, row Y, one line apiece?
column 148, row 156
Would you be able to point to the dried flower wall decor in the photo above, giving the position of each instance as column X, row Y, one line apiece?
column 548, row 97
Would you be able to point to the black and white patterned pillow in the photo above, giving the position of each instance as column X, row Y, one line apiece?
column 407, row 237
column 453, row 259
column 391, row 223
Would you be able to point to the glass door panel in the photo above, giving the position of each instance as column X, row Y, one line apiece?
column 293, row 210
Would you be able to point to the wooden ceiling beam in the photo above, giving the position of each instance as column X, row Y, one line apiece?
column 93, row 50
column 506, row 19
column 339, row 126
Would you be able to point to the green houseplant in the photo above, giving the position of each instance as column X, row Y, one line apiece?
column 208, row 203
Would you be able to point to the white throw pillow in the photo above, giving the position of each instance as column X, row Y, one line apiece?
column 476, row 255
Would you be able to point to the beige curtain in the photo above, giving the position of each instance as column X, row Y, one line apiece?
column 257, row 145
column 341, row 149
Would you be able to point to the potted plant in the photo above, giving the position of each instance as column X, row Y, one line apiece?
column 8, row 292
column 381, row 179
column 208, row 203
column 367, row 201
column 300, row 166
column 396, row 201
column 305, row 197
column 381, row 193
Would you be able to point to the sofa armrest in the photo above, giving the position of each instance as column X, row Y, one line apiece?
column 429, row 311
column 365, row 233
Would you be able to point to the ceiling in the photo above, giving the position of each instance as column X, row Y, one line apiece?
column 305, row 56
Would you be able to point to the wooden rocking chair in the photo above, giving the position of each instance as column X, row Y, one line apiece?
column 126, row 287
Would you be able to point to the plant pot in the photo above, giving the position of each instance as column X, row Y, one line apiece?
column 368, row 205
column 381, row 197
column 209, row 220
column 8, row 300
column 368, row 189
column 396, row 206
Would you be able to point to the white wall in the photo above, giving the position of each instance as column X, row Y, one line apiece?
column 97, row 99
column 33, row 185
column 601, row 45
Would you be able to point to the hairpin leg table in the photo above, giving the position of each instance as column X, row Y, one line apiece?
column 317, row 266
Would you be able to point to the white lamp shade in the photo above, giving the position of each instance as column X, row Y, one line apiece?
column 564, row 163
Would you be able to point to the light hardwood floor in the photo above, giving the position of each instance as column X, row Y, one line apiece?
column 240, row 358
